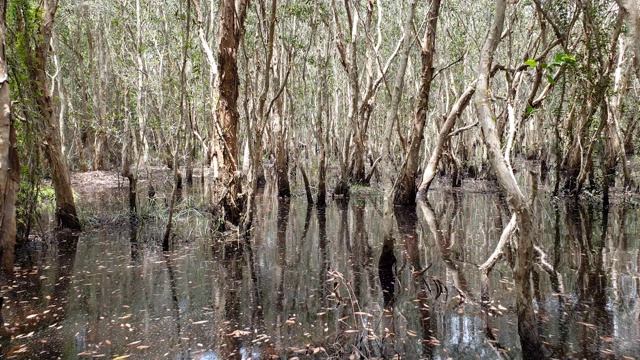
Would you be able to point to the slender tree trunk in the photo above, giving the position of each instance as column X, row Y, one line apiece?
column 430, row 171
column 396, row 97
column 527, row 326
column 128, row 146
column 280, row 131
column 9, row 164
column 101, row 108
column 66, row 214
column 404, row 191
column 142, row 123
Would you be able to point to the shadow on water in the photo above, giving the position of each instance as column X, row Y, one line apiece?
column 331, row 282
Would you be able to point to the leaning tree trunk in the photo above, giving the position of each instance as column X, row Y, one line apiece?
column 232, row 25
column 404, row 191
column 444, row 134
column 66, row 214
column 9, row 165
column 527, row 326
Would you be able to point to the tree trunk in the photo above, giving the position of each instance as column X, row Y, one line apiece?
column 404, row 191
column 280, row 133
column 527, row 326
column 232, row 25
column 9, row 164
column 634, row 22
column 396, row 97
column 320, row 135
column 430, row 171
column 66, row 214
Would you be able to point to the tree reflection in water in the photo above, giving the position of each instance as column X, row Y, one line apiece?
column 334, row 281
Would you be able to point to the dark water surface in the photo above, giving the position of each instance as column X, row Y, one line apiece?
column 341, row 281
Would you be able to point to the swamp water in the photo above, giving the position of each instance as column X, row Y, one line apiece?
column 338, row 282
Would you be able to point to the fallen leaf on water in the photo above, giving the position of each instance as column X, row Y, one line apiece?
column 200, row 322
column 121, row 357
column 143, row 347
column 362, row 313
column 590, row 326
column 134, row 343
column 238, row 333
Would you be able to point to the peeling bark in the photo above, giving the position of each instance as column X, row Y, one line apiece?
column 404, row 191
column 9, row 163
column 232, row 27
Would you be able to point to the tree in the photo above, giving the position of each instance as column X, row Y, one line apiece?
column 527, row 325
column 232, row 27
column 51, row 142
column 9, row 164
column 404, row 191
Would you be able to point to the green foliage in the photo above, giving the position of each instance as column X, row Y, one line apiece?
column 300, row 9
column 564, row 59
column 530, row 110
column 47, row 195
column 559, row 61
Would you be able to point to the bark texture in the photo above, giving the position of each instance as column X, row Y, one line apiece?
column 9, row 164
column 232, row 15
column 66, row 214
column 404, row 192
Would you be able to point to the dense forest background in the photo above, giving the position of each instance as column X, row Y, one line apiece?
column 325, row 94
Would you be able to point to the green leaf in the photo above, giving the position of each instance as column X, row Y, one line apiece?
column 550, row 79
column 530, row 110
column 564, row 59
column 531, row 63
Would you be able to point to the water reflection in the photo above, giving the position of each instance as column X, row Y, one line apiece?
column 336, row 281
column 386, row 272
